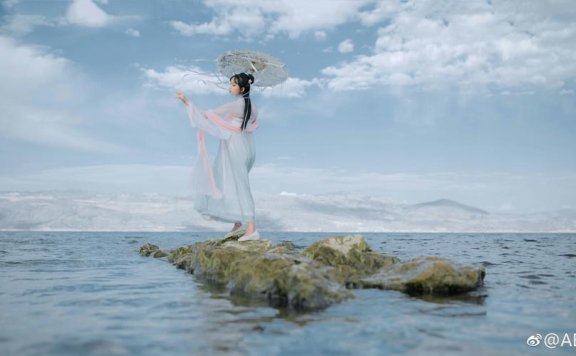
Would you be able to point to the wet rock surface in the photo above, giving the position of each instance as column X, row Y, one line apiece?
column 150, row 250
column 350, row 256
column 262, row 270
column 427, row 275
column 319, row 276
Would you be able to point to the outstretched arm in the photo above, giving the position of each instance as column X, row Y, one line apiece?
column 183, row 98
column 199, row 120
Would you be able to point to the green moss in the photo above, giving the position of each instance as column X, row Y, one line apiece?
column 427, row 275
column 316, row 278
column 152, row 251
column 288, row 281
column 261, row 270
column 350, row 255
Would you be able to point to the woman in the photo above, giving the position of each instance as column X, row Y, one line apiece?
column 222, row 190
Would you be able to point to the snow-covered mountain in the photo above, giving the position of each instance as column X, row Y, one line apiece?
column 80, row 211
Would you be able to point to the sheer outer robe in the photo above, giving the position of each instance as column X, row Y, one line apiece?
column 221, row 190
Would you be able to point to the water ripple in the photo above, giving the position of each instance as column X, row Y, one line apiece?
column 92, row 294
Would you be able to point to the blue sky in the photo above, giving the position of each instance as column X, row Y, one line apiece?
column 408, row 100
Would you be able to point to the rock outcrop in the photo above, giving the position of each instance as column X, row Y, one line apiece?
column 152, row 251
column 350, row 256
column 259, row 269
column 318, row 277
column 426, row 275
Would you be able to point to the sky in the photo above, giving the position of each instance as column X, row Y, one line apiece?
column 409, row 101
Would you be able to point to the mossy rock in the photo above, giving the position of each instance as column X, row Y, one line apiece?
column 319, row 276
column 427, row 275
column 283, row 247
column 259, row 269
column 180, row 256
column 149, row 250
column 350, row 256
column 287, row 281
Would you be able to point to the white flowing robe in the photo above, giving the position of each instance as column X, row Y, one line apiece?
column 221, row 191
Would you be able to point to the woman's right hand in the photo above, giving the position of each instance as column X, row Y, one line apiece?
column 183, row 98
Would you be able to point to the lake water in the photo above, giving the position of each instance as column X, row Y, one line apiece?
column 91, row 293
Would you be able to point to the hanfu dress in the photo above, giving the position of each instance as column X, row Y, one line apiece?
column 221, row 190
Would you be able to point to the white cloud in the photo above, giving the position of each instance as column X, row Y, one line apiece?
column 382, row 11
column 132, row 32
column 87, row 13
column 320, row 35
column 291, row 17
column 190, row 79
column 248, row 18
column 206, row 28
column 194, row 80
column 23, row 24
column 291, row 88
column 10, row 3
column 296, row 17
column 346, row 46
column 430, row 44
column 36, row 92
column 79, row 13
column 470, row 44
column 129, row 178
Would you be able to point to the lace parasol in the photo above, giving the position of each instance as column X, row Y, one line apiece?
column 267, row 70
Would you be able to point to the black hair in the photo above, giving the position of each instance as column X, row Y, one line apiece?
column 244, row 80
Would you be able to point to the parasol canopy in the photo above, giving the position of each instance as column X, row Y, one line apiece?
column 267, row 70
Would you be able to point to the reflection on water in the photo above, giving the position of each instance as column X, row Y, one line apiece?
column 91, row 293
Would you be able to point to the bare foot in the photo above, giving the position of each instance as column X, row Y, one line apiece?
column 250, row 229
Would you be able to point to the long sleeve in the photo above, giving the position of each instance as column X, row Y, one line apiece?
column 220, row 124
column 222, row 121
column 199, row 120
column 211, row 182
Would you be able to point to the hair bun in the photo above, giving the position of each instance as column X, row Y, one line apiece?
column 251, row 78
